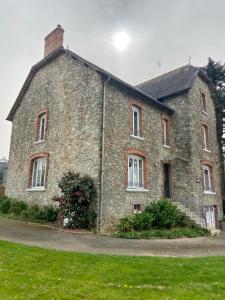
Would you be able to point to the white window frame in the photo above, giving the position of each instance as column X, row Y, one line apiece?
column 132, row 185
column 36, row 180
column 205, row 137
column 207, row 168
column 165, row 132
column 42, row 127
column 137, row 110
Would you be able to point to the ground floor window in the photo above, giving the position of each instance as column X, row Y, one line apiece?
column 210, row 216
column 135, row 172
column 207, row 174
column 38, row 173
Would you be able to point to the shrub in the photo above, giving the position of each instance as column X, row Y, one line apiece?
column 17, row 207
column 142, row 221
column 165, row 214
column 5, row 205
column 125, row 224
column 78, row 195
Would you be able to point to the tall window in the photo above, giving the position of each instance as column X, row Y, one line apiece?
column 136, row 121
column 38, row 173
column 207, row 178
column 203, row 99
column 135, row 172
column 165, row 132
column 41, row 127
column 205, row 137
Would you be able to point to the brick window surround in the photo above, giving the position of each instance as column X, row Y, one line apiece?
column 139, row 105
column 136, row 152
column 41, row 112
column 212, row 178
column 32, row 158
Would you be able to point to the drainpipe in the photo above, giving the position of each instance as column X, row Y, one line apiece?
column 103, row 153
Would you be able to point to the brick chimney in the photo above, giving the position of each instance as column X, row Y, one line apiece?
column 54, row 40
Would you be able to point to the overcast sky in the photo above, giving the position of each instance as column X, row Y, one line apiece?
column 162, row 32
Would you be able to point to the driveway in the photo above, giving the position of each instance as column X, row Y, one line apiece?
column 44, row 236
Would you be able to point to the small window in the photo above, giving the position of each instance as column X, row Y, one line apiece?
column 135, row 172
column 136, row 121
column 165, row 132
column 207, row 178
column 38, row 173
column 204, row 108
column 137, row 209
column 41, row 127
column 205, row 137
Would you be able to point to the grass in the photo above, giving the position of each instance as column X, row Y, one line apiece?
column 163, row 233
column 36, row 273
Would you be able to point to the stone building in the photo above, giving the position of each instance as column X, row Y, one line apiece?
column 138, row 143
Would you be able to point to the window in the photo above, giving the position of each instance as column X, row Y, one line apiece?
column 42, row 127
column 207, row 178
column 135, row 172
column 205, row 137
column 136, row 121
column 137, row 208
column 38, row 173
column 203, row 102
column 165, row 132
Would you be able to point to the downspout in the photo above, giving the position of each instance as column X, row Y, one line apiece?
column 103, row 153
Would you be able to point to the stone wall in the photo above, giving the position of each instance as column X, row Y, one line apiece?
column 72, row 93
column 117, row 201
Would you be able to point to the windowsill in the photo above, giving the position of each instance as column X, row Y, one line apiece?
column 39, row 142
column 136, row 137
column 209, row 193
column 137, row 190
column 206, row 150
column 36, row 189
column 167, row 146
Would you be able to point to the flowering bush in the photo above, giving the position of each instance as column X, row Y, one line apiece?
column 77, row 200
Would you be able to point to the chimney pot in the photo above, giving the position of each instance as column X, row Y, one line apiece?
column 54, row 40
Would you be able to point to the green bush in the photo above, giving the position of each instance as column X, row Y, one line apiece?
column 142, row 221
column 77, row 200
column 165, row 214
column 34, row 212
column 5, row 205
column 125, row 224
column 17, row 207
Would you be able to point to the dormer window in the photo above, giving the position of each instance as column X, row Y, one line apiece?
column 41, row 125
column 136, row 121
column 203, row 100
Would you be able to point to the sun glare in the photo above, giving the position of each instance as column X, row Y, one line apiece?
column 121, row 40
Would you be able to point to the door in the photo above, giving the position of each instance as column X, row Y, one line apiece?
column 167, row 181
column 210, row 216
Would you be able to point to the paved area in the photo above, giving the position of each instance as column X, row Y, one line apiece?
column 45, row 236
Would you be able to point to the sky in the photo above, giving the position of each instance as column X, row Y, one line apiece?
column 163, row 34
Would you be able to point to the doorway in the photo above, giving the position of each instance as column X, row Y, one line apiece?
column 166, row 180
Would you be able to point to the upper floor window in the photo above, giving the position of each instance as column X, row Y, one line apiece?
column 203, row 100
column 207, row 177
column 135, row 121
column 38, row 173
column 165, row 130
column 41, row 125
column 205, row 137
column 135, row 172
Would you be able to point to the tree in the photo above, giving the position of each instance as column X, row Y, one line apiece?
column 216, row 72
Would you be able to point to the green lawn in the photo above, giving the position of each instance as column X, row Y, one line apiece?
column 36, row 273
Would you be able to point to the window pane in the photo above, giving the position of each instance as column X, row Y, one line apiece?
column 135, row 173
column 38, row 175
column 140, row 173
column 130, row 172
column 43, row 173
column 42, row 125
column 39, row 170
column 207, row 179
column 34, row 176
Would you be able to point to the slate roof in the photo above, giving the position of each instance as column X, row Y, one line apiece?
column 172, row 83
column 61, row 50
